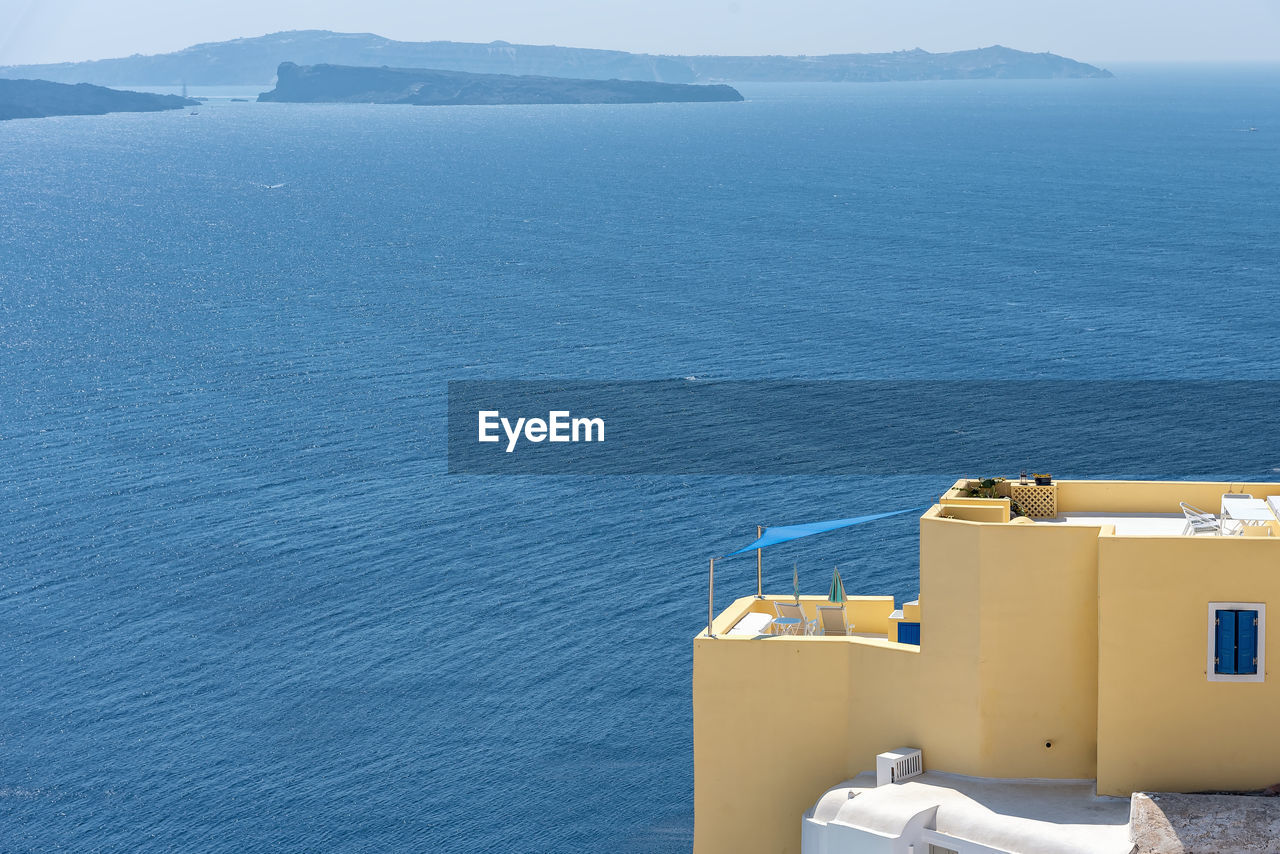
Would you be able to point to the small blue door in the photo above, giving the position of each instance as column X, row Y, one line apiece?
column 909, row 633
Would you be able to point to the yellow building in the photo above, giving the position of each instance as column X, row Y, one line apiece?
column 1108, row 635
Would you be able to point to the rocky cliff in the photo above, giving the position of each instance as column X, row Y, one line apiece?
column 31, row 99
column 423, row 86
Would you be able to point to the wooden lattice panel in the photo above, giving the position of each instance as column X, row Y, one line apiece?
column 1039, row 502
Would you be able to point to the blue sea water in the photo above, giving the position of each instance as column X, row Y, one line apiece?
column 243, row 605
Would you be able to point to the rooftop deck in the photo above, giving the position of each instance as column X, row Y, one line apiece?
column 1126, row 524
column 1123, row 508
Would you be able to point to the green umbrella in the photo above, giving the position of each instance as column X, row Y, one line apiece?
column 837, row 588
column 795, row 581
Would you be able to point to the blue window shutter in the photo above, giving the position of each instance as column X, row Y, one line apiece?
column 1224, row 651
column 909, row 633
column 1246, row 641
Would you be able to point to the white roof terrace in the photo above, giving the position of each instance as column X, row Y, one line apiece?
column 968, row 814
column 1126, row 524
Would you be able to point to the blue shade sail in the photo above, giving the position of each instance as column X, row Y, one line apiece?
column 786, row 533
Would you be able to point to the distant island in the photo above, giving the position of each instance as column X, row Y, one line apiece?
column 988, row 63
column 431, row 87
column 34, row 99
column 253, row 62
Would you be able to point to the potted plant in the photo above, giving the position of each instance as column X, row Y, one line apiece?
column 1043, row 479
column 989, row 487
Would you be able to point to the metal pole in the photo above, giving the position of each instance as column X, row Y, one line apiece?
column 711, row 597
column 759, row 565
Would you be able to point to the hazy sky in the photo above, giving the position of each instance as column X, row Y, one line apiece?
column 1097, row 31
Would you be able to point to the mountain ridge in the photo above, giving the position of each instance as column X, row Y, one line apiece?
column 254, row 60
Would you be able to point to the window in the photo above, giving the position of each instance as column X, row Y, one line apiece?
column 1236, row 648
column 1236, row 642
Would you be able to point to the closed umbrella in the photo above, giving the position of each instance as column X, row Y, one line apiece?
column 795, row 581
column 837, row 588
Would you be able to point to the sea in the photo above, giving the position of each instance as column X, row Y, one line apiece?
column 244, row 606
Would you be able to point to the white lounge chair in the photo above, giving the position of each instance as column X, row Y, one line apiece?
column 1199, row 521
column 753, row 623
column 792, row 611
column 831, row 619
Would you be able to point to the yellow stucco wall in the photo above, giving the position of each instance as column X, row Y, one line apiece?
column 945, row 704
column 1162, row 725
column 778, row 720
column 1038, row 651
column 976, row 509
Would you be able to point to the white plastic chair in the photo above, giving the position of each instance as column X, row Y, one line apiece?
column 1199, row 521
column 790, row 610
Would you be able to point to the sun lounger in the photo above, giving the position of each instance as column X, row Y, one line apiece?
column 752, row 624
column 831, row 618
column 792, row 611
column 1199, row 521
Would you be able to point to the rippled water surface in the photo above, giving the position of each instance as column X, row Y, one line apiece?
column 244, row 606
